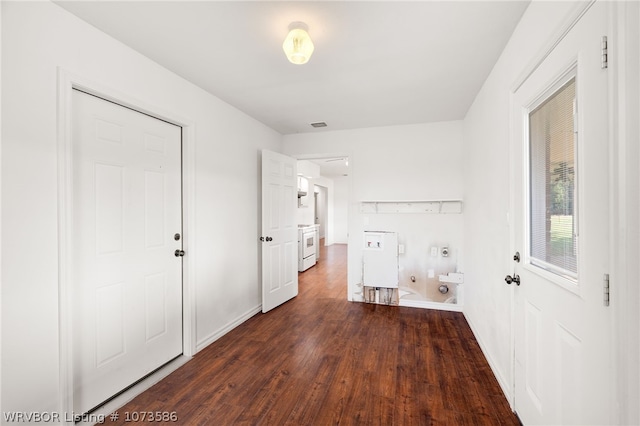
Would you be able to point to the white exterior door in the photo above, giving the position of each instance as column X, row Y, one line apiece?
column 279, row 229
column 127, row 280
column 560, row 178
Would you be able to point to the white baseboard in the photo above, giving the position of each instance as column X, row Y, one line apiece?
column 227, row 328
column 103, row 412
column 424, row 304
column 506, row 387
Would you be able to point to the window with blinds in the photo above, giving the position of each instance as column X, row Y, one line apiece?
column 552, row 184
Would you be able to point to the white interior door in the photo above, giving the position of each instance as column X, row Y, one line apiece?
column 561, row 221
column 279, row 229
column 127, row 286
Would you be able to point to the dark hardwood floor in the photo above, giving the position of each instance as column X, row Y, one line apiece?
column 320, row 360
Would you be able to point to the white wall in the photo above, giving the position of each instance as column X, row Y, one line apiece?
column 488, row 301
column 486, row 159
column 625, row 291
column 305, row 212
column 340, row 209
column 321, row 203
column 414, row 162
column 306, row 209
column 1, row 138
column 38, row 37
column 632, row 389
column 327, row 186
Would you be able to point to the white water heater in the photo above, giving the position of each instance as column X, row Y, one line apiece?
column 380, row 259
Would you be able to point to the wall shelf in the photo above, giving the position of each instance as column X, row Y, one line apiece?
column 420, row 206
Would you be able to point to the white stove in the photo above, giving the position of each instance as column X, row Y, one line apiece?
column 307, row 244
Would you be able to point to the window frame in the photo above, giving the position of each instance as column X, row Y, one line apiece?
column 557, row 275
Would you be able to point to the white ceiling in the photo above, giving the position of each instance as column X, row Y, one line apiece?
column 332, row 167
column 375, row 63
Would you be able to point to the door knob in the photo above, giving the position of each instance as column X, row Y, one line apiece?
column 516, row 257
column 269, row 239
column 515, row 279
column 179, row 253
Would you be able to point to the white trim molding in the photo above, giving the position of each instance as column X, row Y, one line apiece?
column 506, row 386
column 0, row 202
column 227, row 328
column 624, row 249
column 581, row 7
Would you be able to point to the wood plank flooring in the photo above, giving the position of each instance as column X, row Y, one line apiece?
column 320, row 360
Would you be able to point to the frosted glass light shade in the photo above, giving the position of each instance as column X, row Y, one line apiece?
column 298, row 45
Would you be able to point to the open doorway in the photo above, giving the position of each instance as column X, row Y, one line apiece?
column 325, row 183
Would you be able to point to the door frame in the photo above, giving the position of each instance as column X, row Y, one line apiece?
column 624, row 81
column 68, row 81
column 621, row 206
column 353, row 275
column 305, row 155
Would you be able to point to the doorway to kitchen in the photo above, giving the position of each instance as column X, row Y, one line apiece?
column 323, row 195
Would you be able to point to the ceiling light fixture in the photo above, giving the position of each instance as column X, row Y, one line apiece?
column 298, row 46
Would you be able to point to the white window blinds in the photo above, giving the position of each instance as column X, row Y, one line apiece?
column 552, row 191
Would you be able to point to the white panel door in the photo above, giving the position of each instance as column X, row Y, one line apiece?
column 561, row 221
column 127, row 280
column 279, row 229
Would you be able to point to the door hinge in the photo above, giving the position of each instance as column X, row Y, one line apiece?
column 605, row 53
column 605, row 283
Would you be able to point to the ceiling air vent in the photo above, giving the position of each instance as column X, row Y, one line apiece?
column 319, row 124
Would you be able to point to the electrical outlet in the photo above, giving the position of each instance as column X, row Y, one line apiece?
column 434, row 251
column 400, row 248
